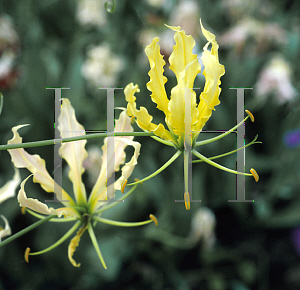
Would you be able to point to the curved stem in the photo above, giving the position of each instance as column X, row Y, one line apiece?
column 121, row 224
column 26, row 230
column 205, row 159
column 57, row 220
column 70, row 139
column 95, row 243
column 222, row 135
column 114, row 203
column 169, row 162
column 61, row 240
column 230, row 152
column 162, row 141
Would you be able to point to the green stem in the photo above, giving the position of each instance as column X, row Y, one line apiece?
column 26, row 230
column 57, row 220
column 121, row 224
column 230, row 152
column 70, row 139
column 205, row 159
column 61, row 240
column 222, row 135
column 116, row 202
column 95, row 243
column 169, row 162
column 163, row 141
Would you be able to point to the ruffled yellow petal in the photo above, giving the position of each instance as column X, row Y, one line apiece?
column 129, row 166
column 73, row 245
column 73, row 152
column 40, row 207
column 143, row 118
column 36, row 165
column 185, row 65
column 211, row 38
column 182, row 58
column 157, row 81
column 213, row 71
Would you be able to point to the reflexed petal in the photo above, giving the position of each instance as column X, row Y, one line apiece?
column 213, row 71
column 36, row 165
column 157, row 81
column 129, row 166
column 123, row 124
column 40, row 207
column 73, row 152
column 73, row 245
column 8, row 190
column 142, row 115
column 99, row 191
column 6, row 231
column 211, row 38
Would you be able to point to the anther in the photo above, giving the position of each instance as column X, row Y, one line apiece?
column 23, row 210
column 154, row 219
column 123, row 185
column 187, row 201
column 26, row 255
column 136, row 180
column 255, row 175
column 250, row 115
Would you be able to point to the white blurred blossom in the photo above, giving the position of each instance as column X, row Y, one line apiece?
column 258, row 34
column 186, row 15
column 93, row 163
column 7, row 191
column 238, row 9
column 102, row 67
column 275, row 78
column 91, row 12
column 9, row 49
column 203, row 227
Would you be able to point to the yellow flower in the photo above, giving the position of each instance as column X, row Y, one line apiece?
column 80, row 208
column 186, row 67
column 184, row 117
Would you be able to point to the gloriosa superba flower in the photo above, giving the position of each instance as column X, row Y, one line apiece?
column 85, row 211
column 184, row 118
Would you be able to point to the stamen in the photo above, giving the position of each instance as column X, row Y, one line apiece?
column 26, row 255
column 255, row 175
column 132, row 119
column 187, row 201
column 154, row 219
column 137, row 180
column 250, row 115
column 123, row 185
column 23, row 210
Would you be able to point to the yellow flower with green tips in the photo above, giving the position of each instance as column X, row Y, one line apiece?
column 84, row 210
column 184, row 117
